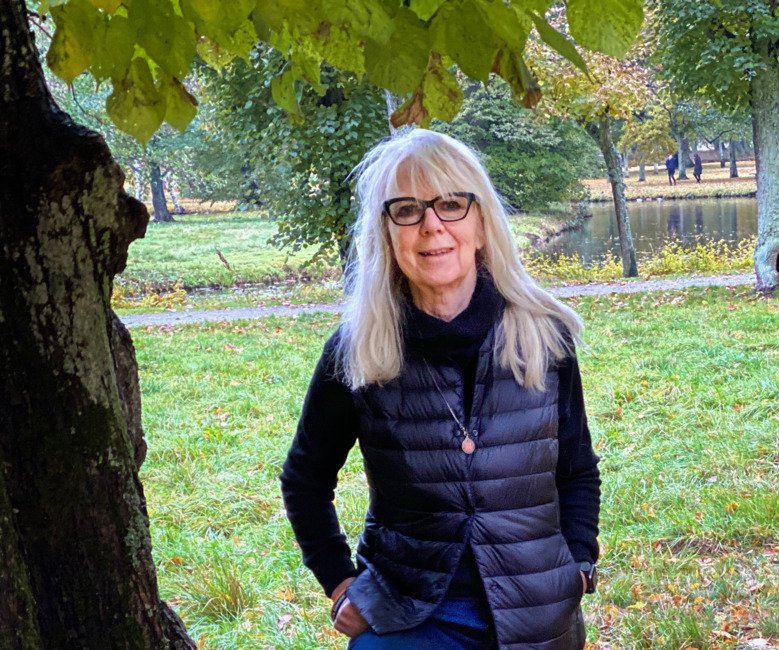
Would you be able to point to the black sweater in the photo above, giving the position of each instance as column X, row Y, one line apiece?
column 327, row 430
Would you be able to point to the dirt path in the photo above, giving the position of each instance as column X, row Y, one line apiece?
column 184, row 317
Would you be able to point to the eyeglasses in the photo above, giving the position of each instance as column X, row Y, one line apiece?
column 409, row 211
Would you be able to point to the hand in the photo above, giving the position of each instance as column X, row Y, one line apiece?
column 348, row 621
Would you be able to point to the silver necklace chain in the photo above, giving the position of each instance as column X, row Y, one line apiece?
column 468, row 445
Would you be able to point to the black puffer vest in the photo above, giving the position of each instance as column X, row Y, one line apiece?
column 428, row 500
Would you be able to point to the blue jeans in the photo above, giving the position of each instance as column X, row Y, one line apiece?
column 458, row 623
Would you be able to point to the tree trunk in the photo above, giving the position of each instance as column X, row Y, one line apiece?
column 656, row 168
column 680, row 154
column 160, row 206
column 76, row 568
column 732, row 156
column 641, row 172
column 601, row 132
column 764, row 98
column 137, row 182
column 170, row 185
column 721, row 149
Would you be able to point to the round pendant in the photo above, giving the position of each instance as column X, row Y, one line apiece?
column 468, row 446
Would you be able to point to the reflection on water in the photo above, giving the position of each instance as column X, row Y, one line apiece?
column 655, row 223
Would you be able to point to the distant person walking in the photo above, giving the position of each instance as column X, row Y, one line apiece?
column 670, row 165
column 697, row 167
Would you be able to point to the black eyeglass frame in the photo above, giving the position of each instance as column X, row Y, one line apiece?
column 472, row 198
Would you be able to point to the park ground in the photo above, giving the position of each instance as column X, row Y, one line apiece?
column 682, row 391
column 715, row 183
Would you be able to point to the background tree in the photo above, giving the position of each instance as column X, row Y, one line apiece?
column 300, row 168
column 649, row 138
column 75, row 556
column 728, row 53
column 612, row 90
column 533, row 159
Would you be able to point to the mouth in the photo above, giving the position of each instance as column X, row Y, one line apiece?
column 436, row 252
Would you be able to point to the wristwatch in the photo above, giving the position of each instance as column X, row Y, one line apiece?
column 590, row 572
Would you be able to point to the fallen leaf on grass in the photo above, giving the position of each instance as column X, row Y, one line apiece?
column 281, row 623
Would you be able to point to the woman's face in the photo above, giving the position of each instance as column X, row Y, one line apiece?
column 436, row 256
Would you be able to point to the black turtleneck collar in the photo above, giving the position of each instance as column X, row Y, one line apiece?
column 440, row 340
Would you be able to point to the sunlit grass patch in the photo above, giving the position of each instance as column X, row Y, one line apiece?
column 682, row 391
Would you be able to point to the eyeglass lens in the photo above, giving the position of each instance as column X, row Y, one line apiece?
column 448, row 208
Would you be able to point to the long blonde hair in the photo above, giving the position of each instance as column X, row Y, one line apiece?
column 370, row 351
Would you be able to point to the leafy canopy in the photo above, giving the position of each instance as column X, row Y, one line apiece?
column 146, row 47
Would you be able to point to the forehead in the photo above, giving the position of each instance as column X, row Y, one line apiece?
column 425, row 181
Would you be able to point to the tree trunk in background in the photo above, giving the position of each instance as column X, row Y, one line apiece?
column 656, row 167
column 170, row 185
column 680, row 146
column 137, row 182
column 161, row 213
column 76, row 568
column 641, row 172
column 764, row 98
column 721, row 149
column 601, row 132
column 732, row 156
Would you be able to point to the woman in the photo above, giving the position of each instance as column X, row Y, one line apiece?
column 457, row 375
column 670, row 167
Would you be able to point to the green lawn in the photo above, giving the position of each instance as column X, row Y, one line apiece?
column 185, row 251
column 683, row 398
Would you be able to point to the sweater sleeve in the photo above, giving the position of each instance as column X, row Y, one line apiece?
column 578, row 477
column 326, row 432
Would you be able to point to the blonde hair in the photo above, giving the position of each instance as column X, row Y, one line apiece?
column 370, row 351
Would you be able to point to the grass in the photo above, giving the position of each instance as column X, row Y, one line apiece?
column 683, row 397
column 714, row 183
column 186, row 252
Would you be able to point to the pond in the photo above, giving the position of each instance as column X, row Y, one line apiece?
column 655, row 223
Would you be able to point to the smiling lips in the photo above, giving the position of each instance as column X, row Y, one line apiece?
column 436, row 252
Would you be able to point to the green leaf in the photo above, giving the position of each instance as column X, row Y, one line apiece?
column 180, row 106
column 282, row 88
column 343, row 49
column 305, row 16
column 72, row 47
column 168, row 38
column 107, row 5
column 511, row 26
column 218, row 16
column 558, row 42
column 213, row 54
column 136, row 106
column 613, row 32
column 307, row 63
column 366, row 16
column 399, row 64
column 114, row 47
column 461, row 32
column 511, row 67
column 442, row 94
column 425, row 8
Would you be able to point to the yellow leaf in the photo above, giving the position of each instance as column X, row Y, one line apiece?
column 639, row 605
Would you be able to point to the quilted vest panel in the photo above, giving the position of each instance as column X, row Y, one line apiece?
column 428, row 500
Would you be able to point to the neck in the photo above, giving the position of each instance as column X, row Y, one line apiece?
column 444, row 304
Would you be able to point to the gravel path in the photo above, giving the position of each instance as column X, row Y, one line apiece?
column 636, row 286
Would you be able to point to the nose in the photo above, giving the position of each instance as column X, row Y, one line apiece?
column 430, row 222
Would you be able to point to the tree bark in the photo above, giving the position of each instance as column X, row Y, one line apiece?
column 172, row 188
column 764, row 98
column 600, row 131
column 721, row 153
column 656, row 169
column 680, row 154
column 732, row 156
column 159, row 205
column 641, row 172
column 76, row 568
